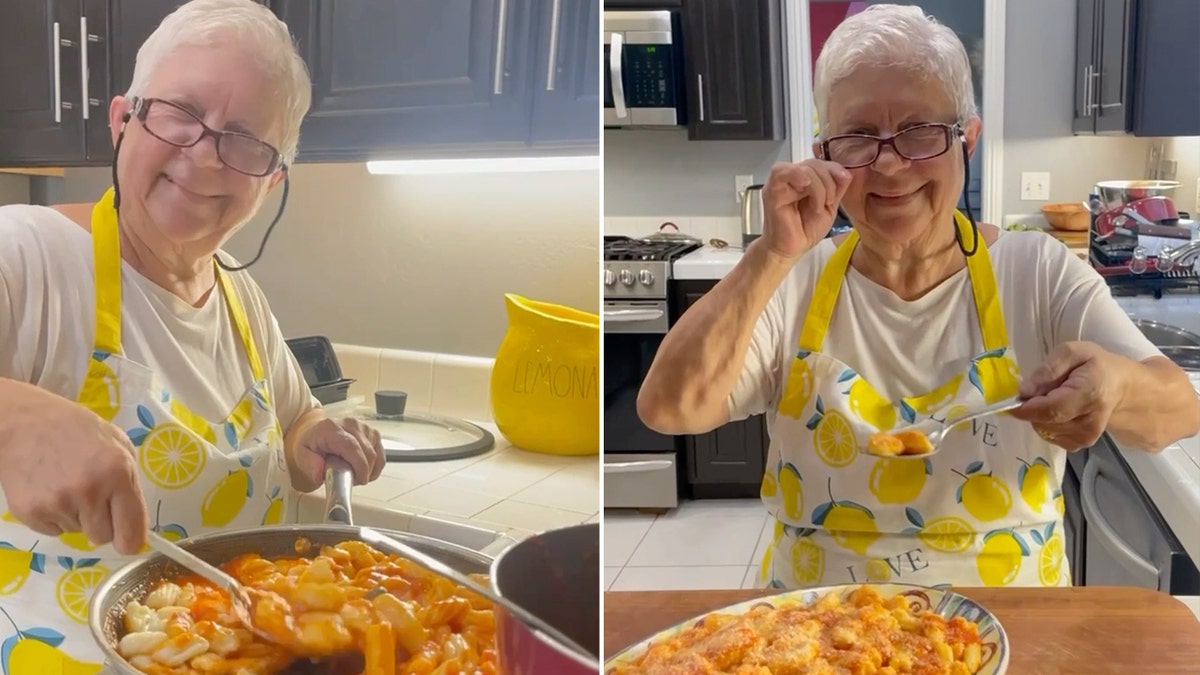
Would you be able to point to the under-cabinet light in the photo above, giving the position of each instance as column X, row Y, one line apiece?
column 485, row 165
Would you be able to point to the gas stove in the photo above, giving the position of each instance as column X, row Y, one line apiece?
column 641, row 268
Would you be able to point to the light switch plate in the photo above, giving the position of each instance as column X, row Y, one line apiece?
column 1035, row 186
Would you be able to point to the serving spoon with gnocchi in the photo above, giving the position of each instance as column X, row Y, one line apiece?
column 924, row 439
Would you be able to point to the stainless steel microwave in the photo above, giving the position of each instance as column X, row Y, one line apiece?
column 643, row 73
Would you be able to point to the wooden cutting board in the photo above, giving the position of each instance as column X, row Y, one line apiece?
column 1088, row 630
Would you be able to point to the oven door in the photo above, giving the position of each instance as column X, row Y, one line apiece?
column 641, row 466
column 643, row 71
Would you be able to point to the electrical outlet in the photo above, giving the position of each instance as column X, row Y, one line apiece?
column 1035, row 186
column 741, row 183
column 1167, row 169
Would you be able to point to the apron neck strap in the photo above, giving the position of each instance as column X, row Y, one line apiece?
column 979, row 269
column 106, row 254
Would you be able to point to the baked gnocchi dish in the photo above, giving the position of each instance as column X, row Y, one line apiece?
column 896, row 443
column 865, row 633
column 349, row 598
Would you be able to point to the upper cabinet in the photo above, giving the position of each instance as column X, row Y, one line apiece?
column 445, row 77
column 733, row 56
column 391, row 78
column 1135, row 68
column 714, row 66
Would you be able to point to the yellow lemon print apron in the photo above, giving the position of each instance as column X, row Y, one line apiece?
column 986, row 510
column 197, row 476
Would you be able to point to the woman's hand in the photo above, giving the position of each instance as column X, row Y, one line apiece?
column 64, row 469
column 1073, row 394
column 800, row 203
column 354, row 442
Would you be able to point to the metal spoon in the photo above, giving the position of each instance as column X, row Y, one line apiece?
column 383, row 542
column 936, row 431
column 239, row 598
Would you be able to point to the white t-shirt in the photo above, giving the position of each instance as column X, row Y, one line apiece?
column 1048, row 295
column 48, row 323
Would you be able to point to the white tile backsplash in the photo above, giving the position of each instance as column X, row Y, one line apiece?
column 462, row 386
column 410, row 372
column 441, row 384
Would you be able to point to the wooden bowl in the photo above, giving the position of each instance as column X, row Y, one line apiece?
column 1068, row 216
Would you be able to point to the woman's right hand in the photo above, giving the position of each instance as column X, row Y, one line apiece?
column 800, row 203
column 64, row 469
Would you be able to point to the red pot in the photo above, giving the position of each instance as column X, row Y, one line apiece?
column 555, row 576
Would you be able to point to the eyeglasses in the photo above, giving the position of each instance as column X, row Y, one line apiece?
column 924, row 141
column 170, row 123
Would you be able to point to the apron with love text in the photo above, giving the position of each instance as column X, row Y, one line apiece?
column 197, row 476
column 985, row 510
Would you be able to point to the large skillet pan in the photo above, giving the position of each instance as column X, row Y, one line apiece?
column 136, row 579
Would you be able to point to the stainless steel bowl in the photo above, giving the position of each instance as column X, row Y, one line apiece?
column 1114, row 193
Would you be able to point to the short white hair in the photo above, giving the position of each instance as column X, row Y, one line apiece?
column 254, row 27
column 899, row 36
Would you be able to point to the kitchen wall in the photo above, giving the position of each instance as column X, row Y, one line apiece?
column 1039, row 81
column 412, row 262
column 14, row 189
column 1185, row 150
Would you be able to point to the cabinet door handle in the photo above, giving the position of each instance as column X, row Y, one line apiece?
column 700, row 93
column 1108, row 537
column 501, row 34
column 1087, row 91
column 57, row 74
column 83, row 65
column 552, row 63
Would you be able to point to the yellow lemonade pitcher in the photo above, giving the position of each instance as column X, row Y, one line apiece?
column 545, row 385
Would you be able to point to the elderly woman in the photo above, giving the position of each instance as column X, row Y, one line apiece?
column 917, row 312
column 144, row 385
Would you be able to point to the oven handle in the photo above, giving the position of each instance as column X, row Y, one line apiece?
column 1125, row 555
column 637, row 467
column 632, row 315
column 614, row 69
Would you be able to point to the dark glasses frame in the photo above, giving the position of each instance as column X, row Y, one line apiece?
column 141, row 109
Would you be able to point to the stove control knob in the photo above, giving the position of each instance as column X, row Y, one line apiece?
column 610, row 278
column 646, row 277
column 627, row 277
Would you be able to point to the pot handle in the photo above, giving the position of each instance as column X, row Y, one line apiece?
column 338, row 483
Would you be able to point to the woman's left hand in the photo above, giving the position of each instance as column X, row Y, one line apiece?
column 348, row 438
column 1072, row 395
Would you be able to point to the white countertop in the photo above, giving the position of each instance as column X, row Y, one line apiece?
column 506, row 493
column 706, row 263
column 1192, row 602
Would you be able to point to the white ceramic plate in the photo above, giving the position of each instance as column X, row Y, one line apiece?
column 942, row 601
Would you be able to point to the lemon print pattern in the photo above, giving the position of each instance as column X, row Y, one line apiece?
column 994, row 375
column 1001, row 557
column 851, row 525
column 1034, row 481
column 791, row 491
column 833, row 436
column 935, row 400
column 100, row 391
column 228, row 497
column 170, row 455
column 899, row 481
column 983, row 495
column 799, row 388
column 35, row 651
column 948, row 534
column 76, row 585
column 770, row 483
column 76, row 540
column 16, row 566
column 168, row 531
column 274, row 514
column 1050, row 559
column 870, row 406
column 808, row 560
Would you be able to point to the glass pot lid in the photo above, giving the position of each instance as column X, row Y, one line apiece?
column 411, row 437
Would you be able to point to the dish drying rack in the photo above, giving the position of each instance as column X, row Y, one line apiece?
column 1123, row 280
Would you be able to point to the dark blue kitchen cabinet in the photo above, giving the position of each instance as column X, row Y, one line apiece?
column 1136, row 69
column 445, row 77
column 567, row 104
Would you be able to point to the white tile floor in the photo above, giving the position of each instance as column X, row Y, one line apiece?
column 708, row 544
